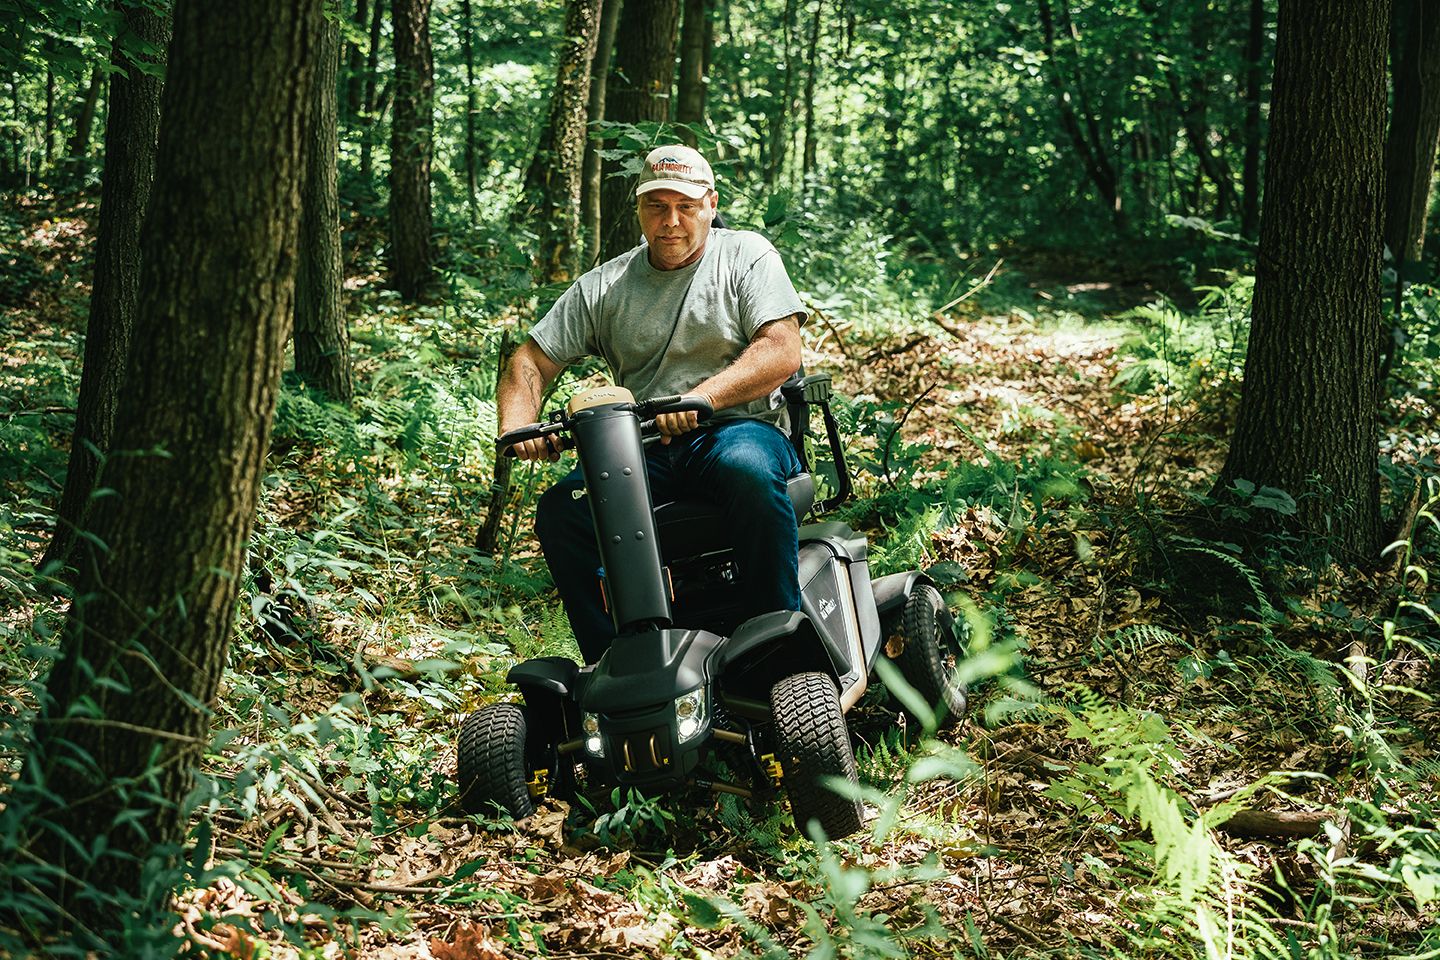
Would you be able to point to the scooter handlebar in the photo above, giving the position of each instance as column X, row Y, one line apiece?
column 680, row 403
column 646, row 410
column 508, row 440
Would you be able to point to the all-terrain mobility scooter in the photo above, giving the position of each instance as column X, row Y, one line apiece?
column 685, row 683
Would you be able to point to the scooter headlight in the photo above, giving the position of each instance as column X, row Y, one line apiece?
column 690, row 715
column 590, row 724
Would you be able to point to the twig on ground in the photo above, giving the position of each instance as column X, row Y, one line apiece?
column 939, row 315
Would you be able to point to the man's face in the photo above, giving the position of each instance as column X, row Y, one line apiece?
column 675, row 226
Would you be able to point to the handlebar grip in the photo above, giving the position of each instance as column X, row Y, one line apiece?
column 508, row 440
column 680, row 403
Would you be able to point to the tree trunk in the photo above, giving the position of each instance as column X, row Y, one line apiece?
column 127, row 713
column 590, row 178
column 1414, row 127
column 550, row 199
column 322, row 340
column 639, row 90
column 371, row 110
column 1307, row 421
column 812, row 68
column 472, row 107
column 78, row 149
column 1089, row 149
column 1410, row 150
column 1254, row 88
column 411, row 144
column 690, row 96
column 131, row 128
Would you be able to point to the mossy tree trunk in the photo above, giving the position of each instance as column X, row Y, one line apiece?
column 1307, row 422
column 550, row 201
column 127, row 711
column 131, row 128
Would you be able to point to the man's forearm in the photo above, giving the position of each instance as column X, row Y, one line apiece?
column 766, row 363
column 522, row 386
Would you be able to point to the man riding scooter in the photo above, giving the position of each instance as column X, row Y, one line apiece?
column 695, row 309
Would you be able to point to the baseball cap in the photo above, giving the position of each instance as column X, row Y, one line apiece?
column 676, row 167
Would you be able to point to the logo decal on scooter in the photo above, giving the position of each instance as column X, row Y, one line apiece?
column 827, row 607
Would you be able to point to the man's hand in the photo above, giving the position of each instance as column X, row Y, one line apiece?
column 541, row 448
column 673, row 425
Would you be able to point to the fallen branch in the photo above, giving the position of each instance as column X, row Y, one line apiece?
column 1277, row 824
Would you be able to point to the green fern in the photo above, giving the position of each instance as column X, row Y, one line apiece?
column 1131, row 640
column 1241, row 569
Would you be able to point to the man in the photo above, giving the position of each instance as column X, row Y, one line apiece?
column 695, row 309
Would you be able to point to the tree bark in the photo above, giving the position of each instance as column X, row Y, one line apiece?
column 131, row 128
column 590, row 178
column 550, row 200
column 411, row 146
column 322, row 339
column 1307, row 421
column 1254, row 88
column 638, row 90
column 690, row 95
column 127, row 709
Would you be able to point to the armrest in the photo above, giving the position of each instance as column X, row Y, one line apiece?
column 812, row 389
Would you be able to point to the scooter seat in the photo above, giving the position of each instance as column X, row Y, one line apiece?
column 690, row 527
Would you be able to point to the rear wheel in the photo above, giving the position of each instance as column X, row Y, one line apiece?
column 496, row 763
column 813, row 743
column 932, row 650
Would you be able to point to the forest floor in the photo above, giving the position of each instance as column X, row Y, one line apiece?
column 1157, row 741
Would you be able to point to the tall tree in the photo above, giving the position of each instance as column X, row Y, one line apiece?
column 131, row 128
column 690, row 95
column 411, row 146
column 590, row 177
column 146, row 640
column 1308, row 407
column 641, row 79
column 1414, row 127
column 322, row 339
column 550, row 199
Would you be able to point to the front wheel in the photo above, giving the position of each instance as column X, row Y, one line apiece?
column 932, row 650
column 814, row 745
column 496, row 764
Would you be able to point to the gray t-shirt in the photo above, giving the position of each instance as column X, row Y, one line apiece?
column 664, row 331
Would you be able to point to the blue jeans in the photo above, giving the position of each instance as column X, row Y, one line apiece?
column 741, row 466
